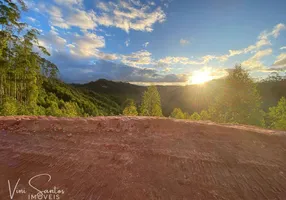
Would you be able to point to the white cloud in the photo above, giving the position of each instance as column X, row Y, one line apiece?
column 125, row 15
column 127, row 42
column 254, row 63
column 263, row 40
column 280, row 60
column 184, row 42
column 56, row 16
column 145, row 44
column 274, row 33
column 52, row 41
column 86, row 44
column 129, row 15
column 107, row 56
column 186, row 61
column 283, row 48
column 31, row 19
column 69, row 2
column 69, row 16
column 138, row 58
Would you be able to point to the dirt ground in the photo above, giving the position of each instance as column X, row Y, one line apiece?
column 139, row 158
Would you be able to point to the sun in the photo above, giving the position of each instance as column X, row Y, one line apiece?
column 200, row 77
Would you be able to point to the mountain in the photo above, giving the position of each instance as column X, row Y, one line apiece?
column 189, row 98
column 89, row 102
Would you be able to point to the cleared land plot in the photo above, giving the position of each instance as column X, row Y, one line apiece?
column 141, row 158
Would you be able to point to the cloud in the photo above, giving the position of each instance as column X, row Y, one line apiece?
column 31, row 19
column 68, row 16
column 124, row 14
column 69, row 2
column 274, row 33
column 186, row 61
column 184, row 42
column 52, row 41
column 283, row 48
column 262, row 40
column 254, row 63
column 280, row 60
column 56, row 16
column 86, row 44
column 129, row 15
column 80, row 72
column 137, row 59
column 145, row 44
column 127, row 42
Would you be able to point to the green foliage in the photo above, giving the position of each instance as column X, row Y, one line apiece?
column 195, row 116
column 205, row 115
column 151, row 103
column 54, row 110
column 239, row 101
column 9, row 107
column 130, row 108
column 74, row 101
column 277, row 115
column 177, row 114
column 71, row 109
column 186, row 115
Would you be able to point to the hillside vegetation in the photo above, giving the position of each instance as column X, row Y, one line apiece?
column 190, row 98
column 28, row 81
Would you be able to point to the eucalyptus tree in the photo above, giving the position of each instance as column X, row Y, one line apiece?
column 20, row 67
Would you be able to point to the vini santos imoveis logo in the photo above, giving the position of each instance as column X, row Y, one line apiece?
column 46, row 194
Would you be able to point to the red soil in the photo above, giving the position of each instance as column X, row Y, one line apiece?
column 141, row 158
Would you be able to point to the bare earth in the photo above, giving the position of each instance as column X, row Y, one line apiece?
column 140, row 158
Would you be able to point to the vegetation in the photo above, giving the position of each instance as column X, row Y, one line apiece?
column 28, row 84
column 177, row 114
column 277, row 115
column 151, row 103
column 239, row 101
column 130, row 108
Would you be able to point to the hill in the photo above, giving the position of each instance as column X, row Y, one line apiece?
column 141, row 158
column 189, row 98
column 89, row 103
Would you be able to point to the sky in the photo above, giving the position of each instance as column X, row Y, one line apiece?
column 167, row 42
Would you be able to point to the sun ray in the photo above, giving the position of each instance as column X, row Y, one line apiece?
column 200, row 77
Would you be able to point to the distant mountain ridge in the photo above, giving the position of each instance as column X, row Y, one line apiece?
column 189, row 98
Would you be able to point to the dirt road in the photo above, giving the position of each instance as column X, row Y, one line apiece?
column 138, row 158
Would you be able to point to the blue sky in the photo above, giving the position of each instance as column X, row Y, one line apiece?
column 160, row 41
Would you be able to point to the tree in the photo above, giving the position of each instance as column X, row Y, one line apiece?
column 239, row 100
column 151, row 103
column 277, row 115
column 71, row 109
column 186, row 115
column 274, row 77
column 205, row 115
column 130, row 109
column 177, row 114
column 9, row 107
column 195, row 116
column 21, row 67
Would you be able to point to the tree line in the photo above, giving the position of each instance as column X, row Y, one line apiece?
column 28, row 81
column 238, row 102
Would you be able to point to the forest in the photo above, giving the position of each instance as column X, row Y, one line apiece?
column 29, row 85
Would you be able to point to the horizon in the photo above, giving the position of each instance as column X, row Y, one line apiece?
column 169, row 42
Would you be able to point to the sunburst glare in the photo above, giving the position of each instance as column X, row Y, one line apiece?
column 200, row 77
